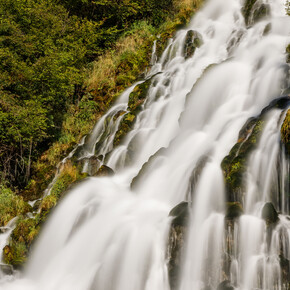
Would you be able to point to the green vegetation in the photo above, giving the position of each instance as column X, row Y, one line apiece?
column 234, row 164
column 285, row 132
column 62, row 64
column 27, row 229
column 11, row 205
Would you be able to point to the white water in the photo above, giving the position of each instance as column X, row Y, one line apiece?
column 105, row 236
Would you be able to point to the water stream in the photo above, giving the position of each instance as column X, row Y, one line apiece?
column 106, row 236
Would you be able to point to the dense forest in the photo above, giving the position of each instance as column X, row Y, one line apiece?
column 47, row 52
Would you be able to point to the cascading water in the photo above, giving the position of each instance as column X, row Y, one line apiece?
column 105, row 235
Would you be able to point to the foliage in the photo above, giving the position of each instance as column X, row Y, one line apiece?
column 27, row 229
column 11, row 205
column 234, row 164
column 285, row 132
column 43, row 52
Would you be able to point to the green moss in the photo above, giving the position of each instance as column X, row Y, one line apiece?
column 247, row 9
column 138, row 95
column 15, row 253
column 285, row 132
column 234, row 165
column 234, row 210
column 11, row 205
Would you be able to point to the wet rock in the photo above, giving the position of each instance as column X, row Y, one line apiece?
column 105, row 171
column 93, row 165
column 177, row 236
column 6, row 269
column 225, row 285
column 180, row 214
column 234, row 210
column 285, row 267
column 234, row 165
column 193, row 40
column 269, row 213
column 267, row 29
column 260, row 10
column 285, row 132
column 255, row 10
column 279, row 103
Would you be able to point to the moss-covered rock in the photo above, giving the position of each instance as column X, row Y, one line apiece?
column 16, row 252
column 269, row 214
column 225, row 285
column 193, row 40
column 234, row 210
column 125, row 126
column 234, row 165
column 27, row 229
column 288, row 53
column 285, row 269
column 285, row 132
column 177, row 236
column 255, row 10
column 138, row 95
column 180, row 214
column 105, row 171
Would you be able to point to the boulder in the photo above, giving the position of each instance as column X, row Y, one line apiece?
column 193, row 40
column 6, row 269
column 180, row 214
column 234, row 210
column 225, row 285
column 105, row 171
column 269, row 213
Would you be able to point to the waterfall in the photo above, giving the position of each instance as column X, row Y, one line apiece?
column 112, row 233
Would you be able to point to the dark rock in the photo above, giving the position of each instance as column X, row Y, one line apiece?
column 105, row 171
column 285, row 132
column 234, row 210
column 279, row 103
column 269, row 213
column 260, row 10
column 193, row 40
column 255, row 10
column 93, row 165
column 234, row 165
column 6, row 269
column 180, row 214
column 285, row 267
column 267, row 29
column 225, row 285
column 177, row 237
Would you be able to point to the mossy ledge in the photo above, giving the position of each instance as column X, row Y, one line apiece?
column 27, row 228
column 285, row 132
column 234, row 164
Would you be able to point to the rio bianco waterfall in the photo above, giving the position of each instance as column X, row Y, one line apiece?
column 219, row 82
